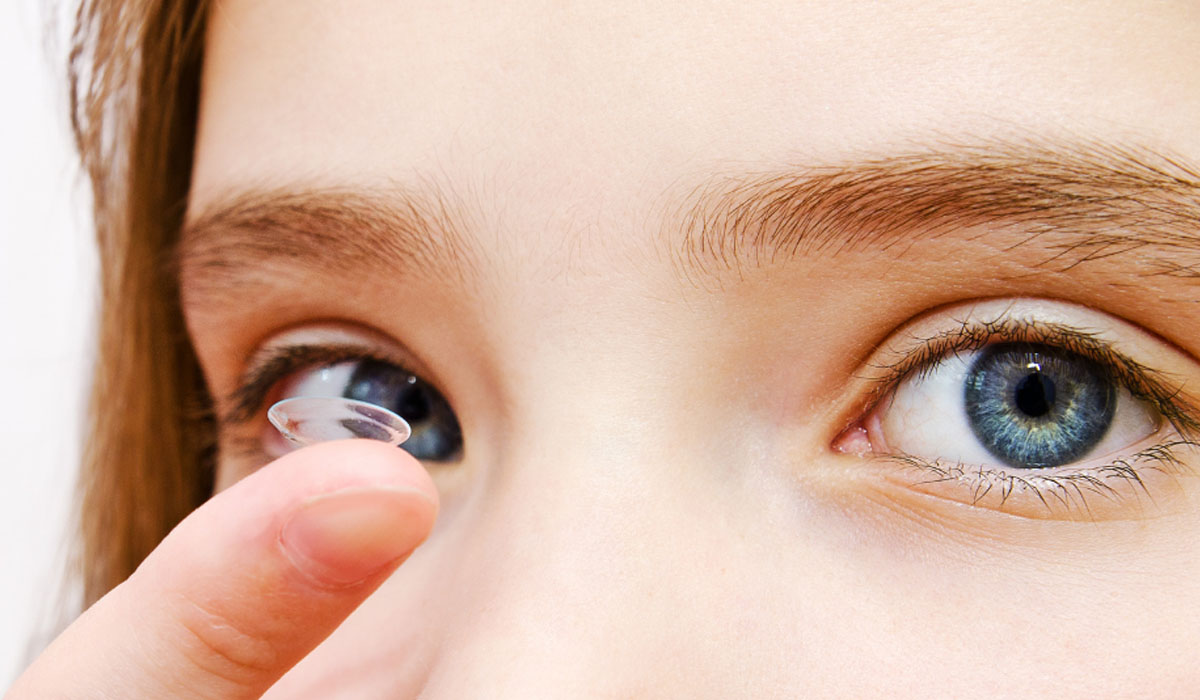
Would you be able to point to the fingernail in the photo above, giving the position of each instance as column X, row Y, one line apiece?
column 344, row 537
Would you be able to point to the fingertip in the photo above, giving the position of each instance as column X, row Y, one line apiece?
column 342, row 464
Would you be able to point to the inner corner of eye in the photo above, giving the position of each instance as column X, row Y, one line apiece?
column 853, row 441
column 862, row 437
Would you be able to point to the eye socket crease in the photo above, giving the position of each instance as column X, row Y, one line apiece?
column 1065, row 204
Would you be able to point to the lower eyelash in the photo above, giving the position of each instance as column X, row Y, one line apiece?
column 246, row 448
column 1065, row 488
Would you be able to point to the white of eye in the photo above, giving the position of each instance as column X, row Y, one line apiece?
column 328, row 381
column 927, row 418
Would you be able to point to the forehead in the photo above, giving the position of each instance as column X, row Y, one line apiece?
column 586, row 107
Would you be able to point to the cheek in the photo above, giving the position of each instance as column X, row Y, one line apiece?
column 540, row 586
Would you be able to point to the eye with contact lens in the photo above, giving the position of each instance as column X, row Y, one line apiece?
column 305, row 420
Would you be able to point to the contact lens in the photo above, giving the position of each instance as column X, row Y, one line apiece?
column 305, row 420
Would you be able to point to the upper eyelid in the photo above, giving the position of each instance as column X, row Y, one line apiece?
column 315, row 342
column 278, row 361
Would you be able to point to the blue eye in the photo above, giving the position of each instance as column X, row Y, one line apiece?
column 1037, row 406
column 1019, row 405
column 436, row 435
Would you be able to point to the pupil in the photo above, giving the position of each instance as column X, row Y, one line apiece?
column 1035, row 395
column 379, row 383
column 413, row 405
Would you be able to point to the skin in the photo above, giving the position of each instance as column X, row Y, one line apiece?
column 658, row 494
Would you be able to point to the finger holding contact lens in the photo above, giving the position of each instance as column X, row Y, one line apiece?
column 305, row 420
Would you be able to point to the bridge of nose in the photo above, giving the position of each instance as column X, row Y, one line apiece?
column 592, row 566
column 633, row 521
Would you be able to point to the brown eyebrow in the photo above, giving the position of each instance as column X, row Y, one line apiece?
column 1073, row 203
column 1078, row 202
column 258, row 233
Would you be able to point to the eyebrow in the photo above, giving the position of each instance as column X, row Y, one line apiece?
column 1074, row 204
column 261, row 234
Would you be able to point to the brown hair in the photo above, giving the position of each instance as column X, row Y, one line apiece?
column 134, row 78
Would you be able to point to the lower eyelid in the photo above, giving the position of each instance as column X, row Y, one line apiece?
column 1152, row 479
column 919, row 521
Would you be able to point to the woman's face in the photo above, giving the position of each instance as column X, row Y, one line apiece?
column 796, row 349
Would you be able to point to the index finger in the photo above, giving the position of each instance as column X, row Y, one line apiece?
column 250, row 582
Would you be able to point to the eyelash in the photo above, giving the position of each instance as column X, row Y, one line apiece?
column 1070, row 489
column 1067, row 488
column 256, row 384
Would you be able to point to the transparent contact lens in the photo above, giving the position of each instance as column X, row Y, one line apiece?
column 305, row 420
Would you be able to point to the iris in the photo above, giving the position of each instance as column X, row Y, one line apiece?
column 1035, row 406
column 436, row 435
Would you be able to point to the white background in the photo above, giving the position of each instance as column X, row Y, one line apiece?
column 46, row 299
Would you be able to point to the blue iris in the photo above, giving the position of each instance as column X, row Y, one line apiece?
column 1035, row 406
column 436, row 435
